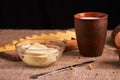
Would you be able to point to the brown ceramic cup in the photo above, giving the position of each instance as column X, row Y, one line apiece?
column 91, row 29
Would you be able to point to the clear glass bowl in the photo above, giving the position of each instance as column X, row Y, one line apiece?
column 40, row 53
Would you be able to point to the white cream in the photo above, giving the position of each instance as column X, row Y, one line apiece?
column 40, row 55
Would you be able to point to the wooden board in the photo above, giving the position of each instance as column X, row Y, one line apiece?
column 7, row 50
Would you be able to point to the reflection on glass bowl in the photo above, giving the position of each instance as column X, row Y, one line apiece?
column 40, row 53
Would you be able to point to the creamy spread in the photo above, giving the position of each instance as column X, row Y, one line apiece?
column 37, row 54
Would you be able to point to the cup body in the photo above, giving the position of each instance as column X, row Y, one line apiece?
column 91, row 29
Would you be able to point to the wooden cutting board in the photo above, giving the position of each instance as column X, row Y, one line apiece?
column 8, row 51
column 9, row 54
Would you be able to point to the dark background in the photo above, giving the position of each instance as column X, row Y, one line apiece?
column 53, row 14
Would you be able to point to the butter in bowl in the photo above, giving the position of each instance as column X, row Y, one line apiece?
column 40, row 53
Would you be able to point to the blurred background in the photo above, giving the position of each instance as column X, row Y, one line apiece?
column 53, row 14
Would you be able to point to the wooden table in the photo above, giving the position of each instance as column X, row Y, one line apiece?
column 105, row 67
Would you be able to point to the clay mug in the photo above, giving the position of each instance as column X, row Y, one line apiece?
column 91, row 30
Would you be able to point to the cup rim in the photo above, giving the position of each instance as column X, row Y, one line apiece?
column 100, row 15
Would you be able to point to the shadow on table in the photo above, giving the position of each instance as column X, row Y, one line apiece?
column 109, row 64
column 72, row 53
column 110, row 42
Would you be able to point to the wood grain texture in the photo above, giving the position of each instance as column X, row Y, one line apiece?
column 7, row 50
column 105, row 67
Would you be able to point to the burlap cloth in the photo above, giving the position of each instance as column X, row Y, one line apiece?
column 105, row 67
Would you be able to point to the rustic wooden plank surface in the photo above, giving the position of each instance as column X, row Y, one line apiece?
column 105, row 67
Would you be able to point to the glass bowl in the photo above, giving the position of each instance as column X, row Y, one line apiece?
column 40, row 53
